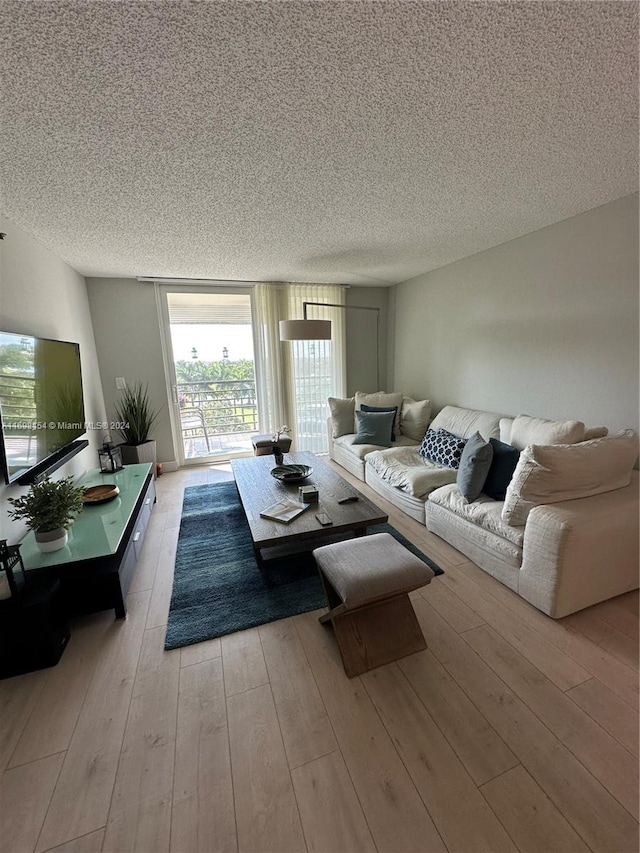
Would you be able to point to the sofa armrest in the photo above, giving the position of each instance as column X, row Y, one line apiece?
column 576, row 553
column 330, row 437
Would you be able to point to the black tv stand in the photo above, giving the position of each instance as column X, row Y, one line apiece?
column 52, row 463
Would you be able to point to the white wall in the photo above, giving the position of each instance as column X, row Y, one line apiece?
column 41, row 295
column 361, row 340
column 546, row 324
column 125, row 320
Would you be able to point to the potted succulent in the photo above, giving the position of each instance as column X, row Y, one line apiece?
column 48, row 508
column 134, row 412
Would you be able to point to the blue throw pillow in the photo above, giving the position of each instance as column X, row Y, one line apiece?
column 442, row 447
column 394, row 409
column 474, row 467
column 503, row 464
column 374, row 428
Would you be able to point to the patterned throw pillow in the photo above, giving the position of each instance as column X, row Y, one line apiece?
column 442, row 447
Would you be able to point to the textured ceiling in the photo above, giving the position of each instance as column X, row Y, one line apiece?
column 356, row 142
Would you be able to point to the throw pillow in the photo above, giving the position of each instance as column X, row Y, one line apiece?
column 381, row 398
column 548, row 474
column 374, row 428
column 474, row 467
column 527, row 430
column 342, row 416
column 442, row 447
column 394, row 409
column 503, row 464
column 414, row 418
column 506, row 424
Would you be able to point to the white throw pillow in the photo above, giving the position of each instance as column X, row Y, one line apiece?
column 342, row 416
column 527, row 430
column 384, row 399
column 414, row 417
column 547, row 474
column 465, row 422
column 506, row 425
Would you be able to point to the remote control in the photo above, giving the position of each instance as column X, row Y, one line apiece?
column 351, row 499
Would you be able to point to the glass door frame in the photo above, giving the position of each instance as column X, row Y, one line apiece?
column 161, row 291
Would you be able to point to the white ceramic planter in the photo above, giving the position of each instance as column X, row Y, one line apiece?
column 51, row 540
column 133, row 454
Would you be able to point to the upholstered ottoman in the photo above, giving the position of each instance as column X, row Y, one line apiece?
column 367, row 581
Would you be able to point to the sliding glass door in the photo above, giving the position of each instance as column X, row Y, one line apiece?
column 211, row 371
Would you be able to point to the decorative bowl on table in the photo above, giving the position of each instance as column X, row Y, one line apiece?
column 291, row 473
column 100, row 494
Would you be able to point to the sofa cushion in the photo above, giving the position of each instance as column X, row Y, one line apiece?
column 342, row 416
column 464, row 422
column 442, row 447
column 503, row 464
column 361, row 450
column 548, row 474
column 527, row 430
column 381, row 398
column 414, row 417
column 484, row 512
column 404, row 468
column 595, row 432
column 474, row 466
column 394, row 409
column 374, row 427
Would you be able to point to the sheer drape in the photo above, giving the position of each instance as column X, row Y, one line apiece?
column 295, row 378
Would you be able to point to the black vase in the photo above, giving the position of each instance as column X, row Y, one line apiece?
column 278, row 455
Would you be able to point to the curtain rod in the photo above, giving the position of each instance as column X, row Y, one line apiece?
column 153, row 279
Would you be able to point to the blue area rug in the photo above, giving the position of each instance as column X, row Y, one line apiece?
column 218, row 588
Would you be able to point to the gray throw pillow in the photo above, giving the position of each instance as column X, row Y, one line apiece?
column 374, row 428
column 474, row 466
column 393, row 409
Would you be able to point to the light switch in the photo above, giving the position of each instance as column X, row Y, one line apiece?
column 120, row 383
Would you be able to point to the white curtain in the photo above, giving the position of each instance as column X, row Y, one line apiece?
column 296, row 377
column 268, row 301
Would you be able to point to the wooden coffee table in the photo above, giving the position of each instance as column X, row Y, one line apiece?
column 258, row 489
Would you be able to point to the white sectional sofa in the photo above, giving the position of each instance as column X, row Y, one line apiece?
column 564, row 537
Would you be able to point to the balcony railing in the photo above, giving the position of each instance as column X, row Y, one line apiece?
column 217, row 416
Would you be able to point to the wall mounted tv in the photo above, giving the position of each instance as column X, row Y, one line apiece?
column 41, row 405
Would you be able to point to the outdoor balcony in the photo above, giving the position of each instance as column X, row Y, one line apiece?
column 218, row 417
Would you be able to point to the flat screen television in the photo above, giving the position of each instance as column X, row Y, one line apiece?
column 41, row 405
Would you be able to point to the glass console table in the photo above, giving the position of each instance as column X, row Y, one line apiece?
column 96, row 565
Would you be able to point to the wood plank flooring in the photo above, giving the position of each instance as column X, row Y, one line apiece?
column 510, row 732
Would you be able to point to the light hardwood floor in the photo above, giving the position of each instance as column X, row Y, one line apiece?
column 512, row 731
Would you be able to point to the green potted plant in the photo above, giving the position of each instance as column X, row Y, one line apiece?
column 135, row 412
column 48, row 508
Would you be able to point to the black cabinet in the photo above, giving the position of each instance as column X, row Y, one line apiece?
column 103, row 582
column 96, row 568
column 33, row 628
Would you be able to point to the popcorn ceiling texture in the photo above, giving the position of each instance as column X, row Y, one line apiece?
column 356, row 142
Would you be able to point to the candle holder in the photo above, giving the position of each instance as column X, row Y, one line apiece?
column 110, row 457
column 12, row 574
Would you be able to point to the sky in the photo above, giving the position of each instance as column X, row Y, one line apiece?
column 209, row 341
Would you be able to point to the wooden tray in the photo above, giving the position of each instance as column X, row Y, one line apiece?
column 99, row 494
